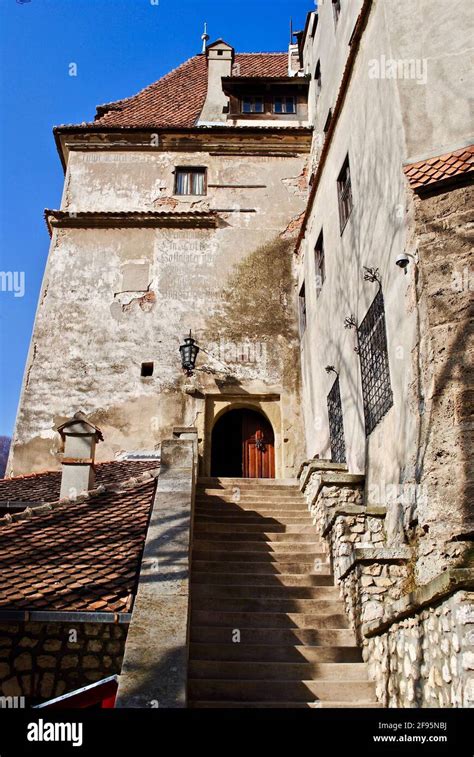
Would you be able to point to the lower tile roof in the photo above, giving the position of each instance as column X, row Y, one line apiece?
column 81, row 555
column 426, row 173
column 44, row 486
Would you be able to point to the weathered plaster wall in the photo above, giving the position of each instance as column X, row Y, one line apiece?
column 416, row 458
column 114, row 298
column 370, row 131
column 40, row 661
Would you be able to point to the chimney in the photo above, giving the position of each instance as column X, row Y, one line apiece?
column 220, row 57
column 79, row 437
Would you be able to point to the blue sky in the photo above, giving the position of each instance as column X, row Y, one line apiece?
column 118, row 46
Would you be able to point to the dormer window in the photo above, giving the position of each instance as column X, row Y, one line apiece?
column 190, row 181
column 284, row 105
column 253, row 104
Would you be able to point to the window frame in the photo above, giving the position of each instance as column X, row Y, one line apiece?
column 190, row 170
column 285, row 98
column 319, row 263
column 252, row 98
column 345, row 197
column 318, row 78
column 302, row 309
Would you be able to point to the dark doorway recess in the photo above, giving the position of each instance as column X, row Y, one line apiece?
column 243, row 446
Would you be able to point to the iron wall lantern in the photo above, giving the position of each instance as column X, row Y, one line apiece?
column 189, row 352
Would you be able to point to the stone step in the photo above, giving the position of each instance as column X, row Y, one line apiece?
column 267, row 530
column 240, row 491
column 251, row 495
column 256, row 516
column 263, row 592
column 222, row 483
column 274, row 637
column 259, row 547
column 264, row 556
column 275, row 691
column 253, row 518
column 270, row 605
column 277, row 671
column 264, row 537
column 252, row 619
column 268, row 503
column 261, row 580
column 262, row 567
column 273, row 653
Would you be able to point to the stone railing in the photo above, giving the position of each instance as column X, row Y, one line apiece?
column 155, row 665
column 418, row 642
column 370, row 574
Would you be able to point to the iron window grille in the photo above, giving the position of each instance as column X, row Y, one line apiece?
column 319, row 264
column 344, row 193
column 373, row 355
column 190, row 181
column 336, row 424
column 302, row 308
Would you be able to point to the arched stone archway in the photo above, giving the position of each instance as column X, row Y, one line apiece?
column 216, row 405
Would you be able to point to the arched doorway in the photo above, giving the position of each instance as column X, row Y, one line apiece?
column 243, row 446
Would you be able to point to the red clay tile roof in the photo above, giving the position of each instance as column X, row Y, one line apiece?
column 176, row 100
column 76, row 556
column 44, row 486
column 425, row 173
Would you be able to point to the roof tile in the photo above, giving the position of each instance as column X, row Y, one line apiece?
column 176, row 100
column 71, row 568
column 426, row 172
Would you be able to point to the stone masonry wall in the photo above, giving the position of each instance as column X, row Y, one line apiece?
column 43, row 660
column 418, row 642
column 369, row 572
column 426, row 660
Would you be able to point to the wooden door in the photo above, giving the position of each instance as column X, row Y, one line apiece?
column 258, row 447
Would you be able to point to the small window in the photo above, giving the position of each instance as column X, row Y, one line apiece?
column 344, row 193
column 252, row 105
column 336, row 9
column 190, row 181
column 374, row 368
column 317, row 78
column 302, row 308
column 147, row 370
column 319, row 264
column 284, row 105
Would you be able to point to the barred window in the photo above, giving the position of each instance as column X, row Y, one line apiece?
column 336, row 424
column 344, row 193
column 373, row 355
column 319, row 264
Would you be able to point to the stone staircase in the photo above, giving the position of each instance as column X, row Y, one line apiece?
column 268, row 628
